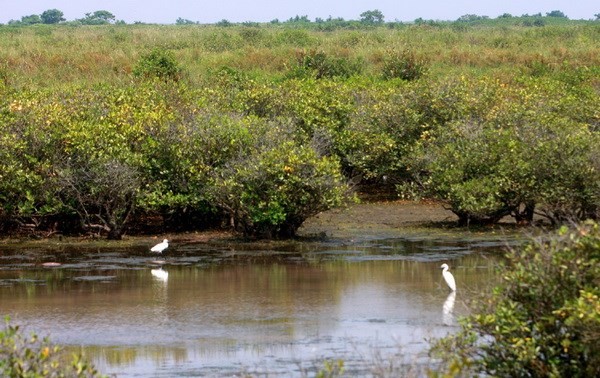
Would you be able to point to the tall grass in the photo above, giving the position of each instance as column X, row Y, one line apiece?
column 48, row 56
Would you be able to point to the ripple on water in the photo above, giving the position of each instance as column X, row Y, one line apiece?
column 94, row 278
column 12, row 281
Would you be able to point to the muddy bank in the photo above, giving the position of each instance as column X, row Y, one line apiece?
column 364, row 220
column 392, row 214
column 425, row 220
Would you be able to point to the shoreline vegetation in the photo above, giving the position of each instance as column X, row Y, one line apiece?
column 255, row 128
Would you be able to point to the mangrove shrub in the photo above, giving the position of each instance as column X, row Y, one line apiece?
column 543, row 319
column 525, row 154
column 31, row 356
column 270, row 190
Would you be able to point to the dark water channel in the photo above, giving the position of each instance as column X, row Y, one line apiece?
column 261, row 309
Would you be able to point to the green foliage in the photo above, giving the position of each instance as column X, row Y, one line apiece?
column 381, row 132
column 372, row 17
column 52, row 16
column 159, row 63
column 296, row 37
column 318, row 106
column 102, row 191
column 25, row 190
column 224, row 23
column 104, row 154
column 221, row 41
column 543, row 320
column 471, row 18
column 78, row 152
column 556, row 13
column 272, row 188
column 519, row 154
column 183, row 21
column 464, row 172
column 404, row 65
column 31, row 20
column 318, row 65
column 33, row 357
column 100, row 17
column 331, row 369
column 260, row 100
column 20, row 184
column 182, row 158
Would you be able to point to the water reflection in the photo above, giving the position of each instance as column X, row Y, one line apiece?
column 160, row 274
column 252, row 312
column 448, row 309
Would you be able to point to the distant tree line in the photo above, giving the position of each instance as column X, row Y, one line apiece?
column 367, row 18
column 55, row 16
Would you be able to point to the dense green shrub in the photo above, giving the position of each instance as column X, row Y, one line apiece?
column 27, row 189
column 464, row 167
column 105, row 154
column 543, row 320
column 485, row 172
column 393, row 120
column 318, row 64
column 101, row 191
column 524, row 153
column 159, row 63
column 181, row 163
column 381, row 130
column 33, row 357
column 270, row 190
column 77, row 151
column 317, row 105
column 404, row 65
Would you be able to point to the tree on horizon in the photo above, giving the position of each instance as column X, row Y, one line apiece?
column 372, row 17
column 52, row 16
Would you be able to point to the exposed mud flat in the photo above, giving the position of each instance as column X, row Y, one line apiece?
column 342, row 226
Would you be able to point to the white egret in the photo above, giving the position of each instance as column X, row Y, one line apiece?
column 448, row 277
column 160, row 247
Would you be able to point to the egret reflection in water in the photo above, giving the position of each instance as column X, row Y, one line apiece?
column 448, row 308
column 160, row 274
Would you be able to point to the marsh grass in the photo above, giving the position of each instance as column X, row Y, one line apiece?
column 49, row 56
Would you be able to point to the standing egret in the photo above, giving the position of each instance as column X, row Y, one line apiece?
column 448, row 277
column 160, row 247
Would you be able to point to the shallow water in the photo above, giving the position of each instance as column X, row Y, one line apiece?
column 261, row 309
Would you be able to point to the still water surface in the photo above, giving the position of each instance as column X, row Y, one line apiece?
column 223, row 310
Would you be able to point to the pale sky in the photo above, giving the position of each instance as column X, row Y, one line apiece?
column 166, row 12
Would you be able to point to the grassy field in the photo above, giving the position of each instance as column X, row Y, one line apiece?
column 48, row 56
